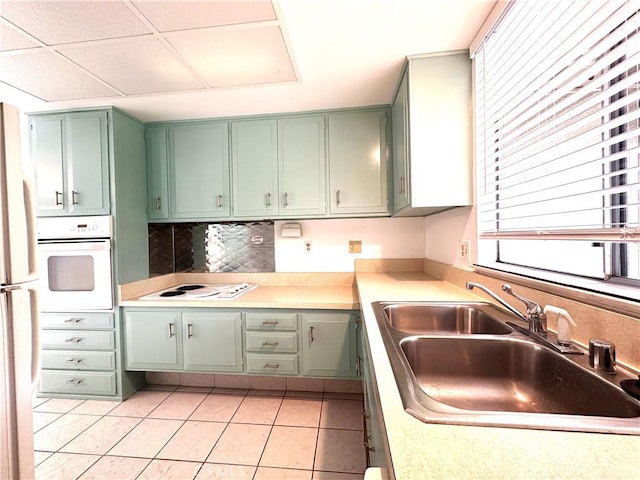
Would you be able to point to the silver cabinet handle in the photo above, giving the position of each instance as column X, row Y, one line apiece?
column 189, row 330
column 269, row 344
column 267, row 199
column 337, row 197
column 74, row 197
column 358, row 366
column 158, row 204
column 74, row 381
column 73, row 320
column 285, row 199
column 74, row 340
column 59, row 198
column 401, row 184
column 270, row 322
column 311, row 339
column 219, row 200
column 271, row 365
column 171, row 332
column 74, row 360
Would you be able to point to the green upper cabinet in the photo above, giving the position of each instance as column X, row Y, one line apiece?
column 329, row 344
column 399, row 122
column 157, row 173
column 71, row 157
column 199, row 170
column 255, row 168
column 433, row 135
column 302, row 166
column 358, row 163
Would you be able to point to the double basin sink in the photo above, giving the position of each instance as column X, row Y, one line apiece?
column 462, row 363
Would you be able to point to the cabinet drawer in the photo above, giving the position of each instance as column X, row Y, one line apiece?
column 78, row 360
column 87, row 383
column 272, row 364
column 77, row 320
column 286, row 342
column 78, row 339
column 271, row 321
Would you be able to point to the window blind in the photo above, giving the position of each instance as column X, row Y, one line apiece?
column 558, row 122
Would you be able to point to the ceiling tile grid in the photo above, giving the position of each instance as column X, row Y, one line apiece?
column 65, row 50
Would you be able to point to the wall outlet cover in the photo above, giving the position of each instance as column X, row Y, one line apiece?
column 355, row 246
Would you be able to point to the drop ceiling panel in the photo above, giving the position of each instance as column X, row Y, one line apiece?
column 170, row 16
column 56, row 22
column 236, row 57
column 137, row 66
column 50, row 78
column 12, row 40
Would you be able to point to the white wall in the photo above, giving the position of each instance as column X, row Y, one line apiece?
column 444, row 231
column 381, row 238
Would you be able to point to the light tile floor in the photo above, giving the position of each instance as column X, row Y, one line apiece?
column 187, row 433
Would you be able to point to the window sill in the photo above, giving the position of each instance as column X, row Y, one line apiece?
column 582, row 291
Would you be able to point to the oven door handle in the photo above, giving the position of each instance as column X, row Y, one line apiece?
column 74, row 245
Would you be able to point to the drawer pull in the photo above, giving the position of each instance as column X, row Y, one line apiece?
column 269, row 344
column 271, row 365
column 189, row 330
column 74, row 360
column 74, row 381
column 73, row 320
column 74, row 340
column 270, row 322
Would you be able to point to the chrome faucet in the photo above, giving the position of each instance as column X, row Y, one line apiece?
column 535, row 318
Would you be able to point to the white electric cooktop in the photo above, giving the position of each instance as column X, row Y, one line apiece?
column 201, row 292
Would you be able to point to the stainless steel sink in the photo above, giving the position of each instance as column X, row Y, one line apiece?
column 441, row 317
column 510, row 375
column 476, row 373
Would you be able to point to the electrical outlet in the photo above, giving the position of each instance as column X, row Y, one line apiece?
column 307, row 246
column 465, row 251
column 355, row 246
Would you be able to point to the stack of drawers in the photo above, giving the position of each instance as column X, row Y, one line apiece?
column 271, row 342
column 78, row 354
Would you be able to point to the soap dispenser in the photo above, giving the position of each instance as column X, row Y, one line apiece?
column 564, row 319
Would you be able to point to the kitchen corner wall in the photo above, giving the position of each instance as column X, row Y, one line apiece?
column 445, row 230
column 381, row 238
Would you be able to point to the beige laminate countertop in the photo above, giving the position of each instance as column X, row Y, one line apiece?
column 299, row 293
column 420, row 450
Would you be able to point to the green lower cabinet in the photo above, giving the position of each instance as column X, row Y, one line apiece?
column 329, row 344
column 212, row 341
column 374, row 434
column 153, row 340
column 203, row 340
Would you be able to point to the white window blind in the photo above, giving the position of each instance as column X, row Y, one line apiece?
column 557, row 102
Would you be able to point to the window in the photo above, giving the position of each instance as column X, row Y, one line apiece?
column 557, row 105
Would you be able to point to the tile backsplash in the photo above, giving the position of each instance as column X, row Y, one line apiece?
column 211, row 247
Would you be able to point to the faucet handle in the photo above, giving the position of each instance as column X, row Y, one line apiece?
column 533, row 308
column 535, row 314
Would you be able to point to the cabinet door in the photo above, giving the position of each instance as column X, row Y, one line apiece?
column 87, row 161
column 153, row 340
column 255, row 168
column 400, row 125
column 301, row 166
column 199, row 170
column 157, row 175
column 45, row 139
column 212, row 341
column 329, row 344
column 358, row 163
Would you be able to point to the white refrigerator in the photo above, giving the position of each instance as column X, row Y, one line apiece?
column 19, row 361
